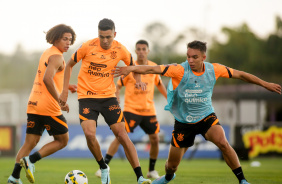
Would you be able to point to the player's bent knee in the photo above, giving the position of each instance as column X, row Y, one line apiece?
column 64, row 143
column 123, row 140
column 223, row 145
column 171, row 167
column 90, row 135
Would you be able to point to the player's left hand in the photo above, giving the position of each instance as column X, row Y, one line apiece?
column 120, row 71
column 72, row 88
column 141, row 85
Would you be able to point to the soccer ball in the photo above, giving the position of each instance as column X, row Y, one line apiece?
column 76, row 177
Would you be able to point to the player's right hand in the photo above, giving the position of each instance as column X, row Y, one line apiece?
column 63, row 98
column 65, row 108
column 273, row 87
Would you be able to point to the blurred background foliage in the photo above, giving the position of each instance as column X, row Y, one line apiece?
column 240, row 49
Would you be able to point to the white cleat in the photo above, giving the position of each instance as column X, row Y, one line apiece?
column 153, row 174
column 98, row 173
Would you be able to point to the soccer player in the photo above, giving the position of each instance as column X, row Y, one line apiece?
column 43, row 110
column 139, row 108
column 189, row 100
column 96, row 94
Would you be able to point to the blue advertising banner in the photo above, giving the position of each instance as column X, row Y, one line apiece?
column 77, row 146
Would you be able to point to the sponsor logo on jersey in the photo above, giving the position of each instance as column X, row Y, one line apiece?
column 196, row 100
column 189, row 118
column 95, row 69
column 193, row 91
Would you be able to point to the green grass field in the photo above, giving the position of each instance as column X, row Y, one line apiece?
column 190, row 171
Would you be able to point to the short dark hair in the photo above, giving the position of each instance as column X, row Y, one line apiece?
column 202, row 46
column 142, row 42
column 57, row 32
column 106, row 24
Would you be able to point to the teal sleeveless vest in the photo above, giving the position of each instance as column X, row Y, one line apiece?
column 191, row 101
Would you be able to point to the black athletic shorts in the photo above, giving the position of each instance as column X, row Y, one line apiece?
column 90, row 108
column 149, row 124
column 55, row 125
column 184, row 134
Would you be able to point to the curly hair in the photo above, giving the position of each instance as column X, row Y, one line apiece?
column 57, row 32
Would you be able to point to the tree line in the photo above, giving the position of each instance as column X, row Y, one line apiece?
column 242, row 49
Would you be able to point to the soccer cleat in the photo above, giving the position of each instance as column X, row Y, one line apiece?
column 28, row 167
column 98, row 173
column 105, row 175
column 162, row 180
column 153, row 174
column 12, row 180
column 142, row 180
column 244, row 182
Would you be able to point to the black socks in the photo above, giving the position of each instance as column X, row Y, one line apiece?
column 152, row 164
column 108, row 158
column 35, row 157
column 138, row 172
column 102, row 164
column 17, row 171
column 239, row 173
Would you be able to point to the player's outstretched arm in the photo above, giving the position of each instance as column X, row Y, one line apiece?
column 255, row 80
column 143, row 69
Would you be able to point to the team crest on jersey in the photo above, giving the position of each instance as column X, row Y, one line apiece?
column 86, row 110
column 30, row 124
column 180, row 137
column 114, row 55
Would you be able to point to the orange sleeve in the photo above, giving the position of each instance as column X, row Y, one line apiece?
column 176, row 73
column 222, row 71
column 79, row 53
column 126, row 56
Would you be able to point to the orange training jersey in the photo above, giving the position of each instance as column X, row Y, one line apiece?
column 137, row 101
column 40, row 101
column 94, row 78
column 176, row 72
